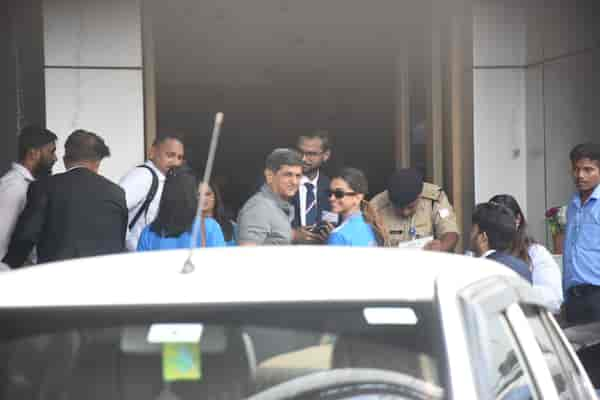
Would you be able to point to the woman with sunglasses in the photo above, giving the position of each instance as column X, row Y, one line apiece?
column 172, row 228
column 360, row 225
column 545, row 272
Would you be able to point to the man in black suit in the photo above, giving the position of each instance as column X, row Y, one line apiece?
column 77, row 213
column 311, row 202
column 492, row 235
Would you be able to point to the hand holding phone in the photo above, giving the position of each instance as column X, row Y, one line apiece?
column 306, row 235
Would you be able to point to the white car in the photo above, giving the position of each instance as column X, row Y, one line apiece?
column 281, row 323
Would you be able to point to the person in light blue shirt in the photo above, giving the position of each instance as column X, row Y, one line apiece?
column 360, row 225
column 176, row 219
column 581, row 258
column 214, row 208
column 150, row 240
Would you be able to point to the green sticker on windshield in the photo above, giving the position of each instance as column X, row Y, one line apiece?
column 181, row 362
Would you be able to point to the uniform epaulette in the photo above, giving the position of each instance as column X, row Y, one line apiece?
column 431, row 191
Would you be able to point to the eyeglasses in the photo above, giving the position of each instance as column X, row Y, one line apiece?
column 339, row 193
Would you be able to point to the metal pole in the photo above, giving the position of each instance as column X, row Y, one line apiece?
column 188, row 265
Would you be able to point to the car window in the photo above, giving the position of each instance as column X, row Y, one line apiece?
column 195, row 359
column 504, row 370
column 561, row 367
column 548, row 350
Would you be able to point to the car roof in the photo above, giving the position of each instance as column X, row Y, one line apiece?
column 241, row 275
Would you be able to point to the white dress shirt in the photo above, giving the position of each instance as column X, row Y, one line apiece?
column 13, row 196
column 137, row 184
column 302, row 194
column 546, row 276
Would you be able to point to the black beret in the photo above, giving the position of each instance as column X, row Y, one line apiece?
column 404, row 187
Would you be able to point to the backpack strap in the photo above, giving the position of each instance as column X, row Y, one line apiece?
column 149, row 197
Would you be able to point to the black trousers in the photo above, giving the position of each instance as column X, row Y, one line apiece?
column 584, row 307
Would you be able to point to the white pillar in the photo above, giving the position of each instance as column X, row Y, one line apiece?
column 94, row 76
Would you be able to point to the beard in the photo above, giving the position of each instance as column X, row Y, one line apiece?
column 309, row 169
column 43, row 170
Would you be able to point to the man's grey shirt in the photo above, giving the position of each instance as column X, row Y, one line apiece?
column 265, row 219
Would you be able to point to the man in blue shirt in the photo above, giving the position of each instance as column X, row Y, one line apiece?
column 581, row 257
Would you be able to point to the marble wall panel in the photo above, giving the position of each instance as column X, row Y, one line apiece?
column 499, row 134
column 107, row 102
column 536, row 23
column 93, row 33
column 571, row 97
column 570, row 26
column 499, row 33
column 535, row 145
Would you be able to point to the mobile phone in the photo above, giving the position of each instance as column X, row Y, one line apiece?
column 320, row 228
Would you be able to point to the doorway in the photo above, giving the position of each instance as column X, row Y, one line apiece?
column 391, row 81
column 278, row 69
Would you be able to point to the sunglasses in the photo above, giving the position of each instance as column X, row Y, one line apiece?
column 339, row 193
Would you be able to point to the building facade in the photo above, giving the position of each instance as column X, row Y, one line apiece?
column 483, row 96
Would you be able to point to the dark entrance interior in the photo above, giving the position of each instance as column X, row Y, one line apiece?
column 277, row 69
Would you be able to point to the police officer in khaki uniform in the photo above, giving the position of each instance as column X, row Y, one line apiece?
column 412, row 209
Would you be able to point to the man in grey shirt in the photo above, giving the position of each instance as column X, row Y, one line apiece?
column 266, row 217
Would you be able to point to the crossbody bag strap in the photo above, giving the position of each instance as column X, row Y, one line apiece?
column 149, row 197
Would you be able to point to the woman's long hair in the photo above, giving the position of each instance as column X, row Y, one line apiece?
column 357, row 181
column 178, row 204
column 522, row 241
column 220, row 214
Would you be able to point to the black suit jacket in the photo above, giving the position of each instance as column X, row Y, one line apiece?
column 512, row 262
column 74, row 214
column 322, row 200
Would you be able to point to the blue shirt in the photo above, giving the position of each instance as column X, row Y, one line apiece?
column 354, row 231
column 150, row 240
column 581, row 257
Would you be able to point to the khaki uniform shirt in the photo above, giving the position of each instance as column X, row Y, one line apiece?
column 434, row 216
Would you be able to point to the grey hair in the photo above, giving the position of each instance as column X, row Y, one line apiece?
column 282, row 156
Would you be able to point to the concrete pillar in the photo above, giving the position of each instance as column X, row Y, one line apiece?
column 8, row 98
column 402, row 143
column 21, row 73
column 458, row 139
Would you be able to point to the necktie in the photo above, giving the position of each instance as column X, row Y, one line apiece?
column 310, row 213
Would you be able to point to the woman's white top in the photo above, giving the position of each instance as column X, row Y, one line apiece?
column 546, row 276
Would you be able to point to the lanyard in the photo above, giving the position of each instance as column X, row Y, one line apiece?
column 412, row 231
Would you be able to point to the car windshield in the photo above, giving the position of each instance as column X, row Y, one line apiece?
column 349, row 351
